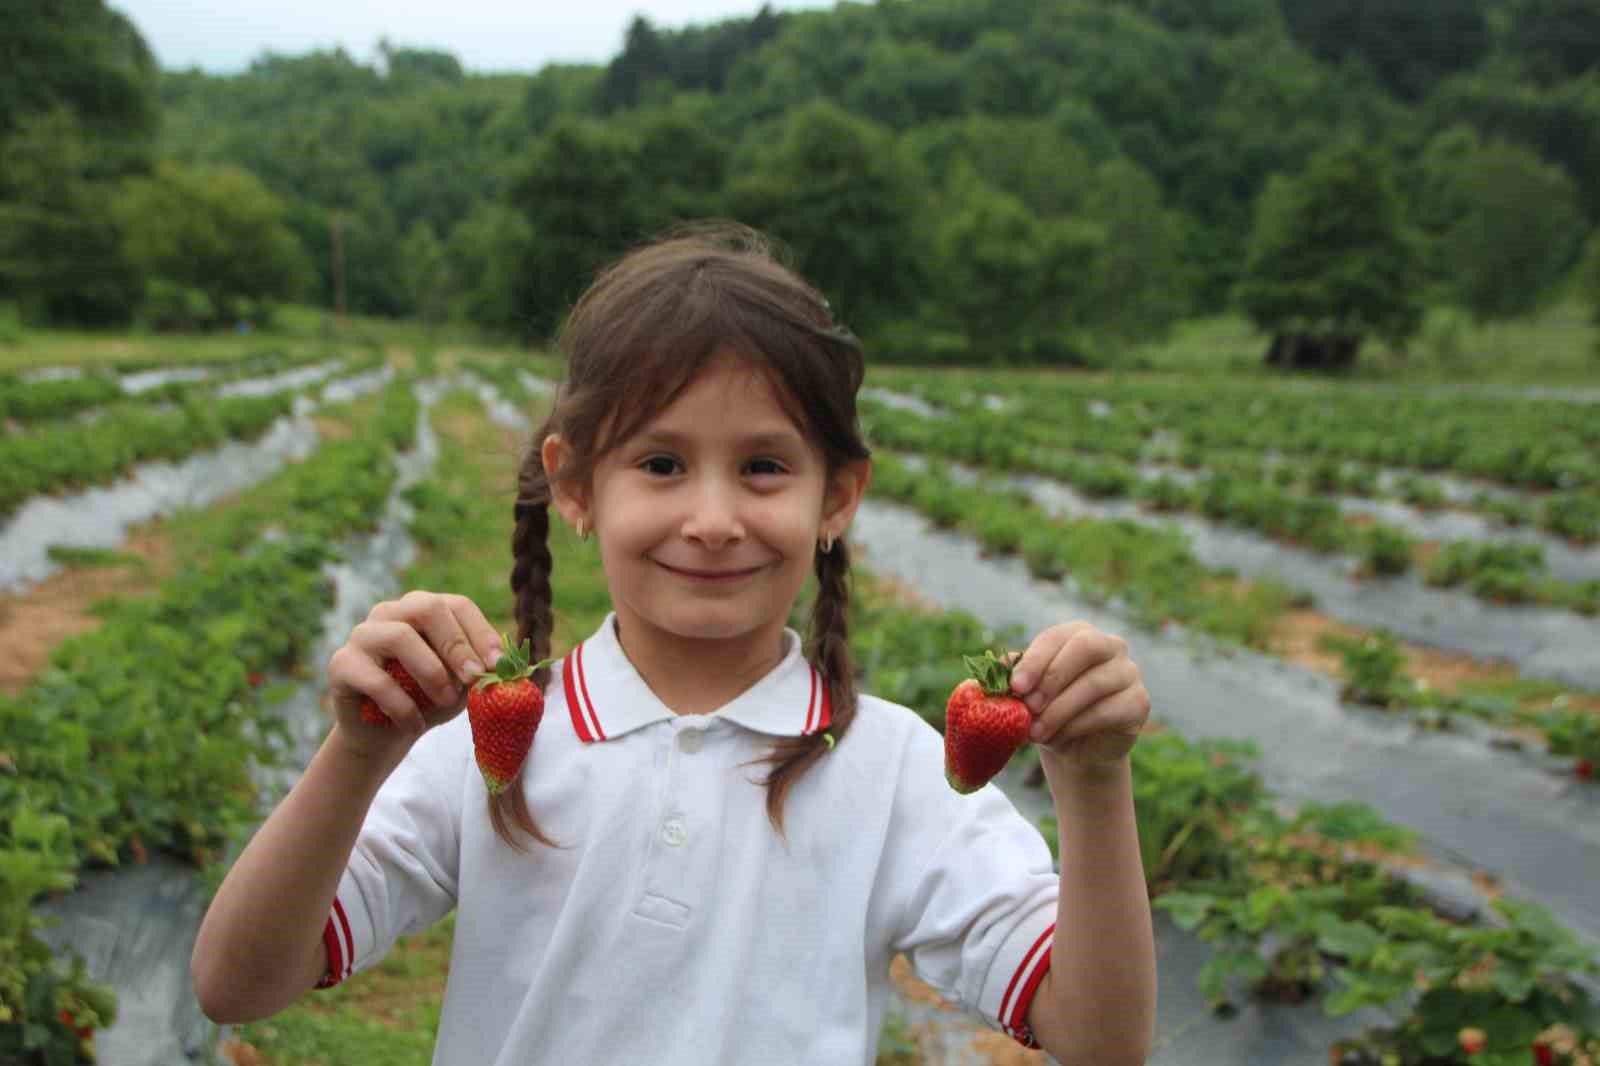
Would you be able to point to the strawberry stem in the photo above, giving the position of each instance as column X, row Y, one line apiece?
column 993, row 675
column 513, row 664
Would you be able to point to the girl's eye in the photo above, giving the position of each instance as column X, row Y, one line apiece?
column 661, row 465
column 765, row 466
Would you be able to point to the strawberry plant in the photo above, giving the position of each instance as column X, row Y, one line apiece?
column 1373, row 667
column 1575, row 515
column 1436, row 979
column 1573, row 733
column 1385, row 550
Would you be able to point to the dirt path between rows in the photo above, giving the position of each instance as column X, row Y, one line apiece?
column 32, row 623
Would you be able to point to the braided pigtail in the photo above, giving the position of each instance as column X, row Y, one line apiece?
column 530, row 585
column 828, row 649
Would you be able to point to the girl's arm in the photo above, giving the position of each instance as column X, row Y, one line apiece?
column 1097, row 1003
column 260, row 944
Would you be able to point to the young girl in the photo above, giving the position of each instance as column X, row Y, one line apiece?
column 716, row 845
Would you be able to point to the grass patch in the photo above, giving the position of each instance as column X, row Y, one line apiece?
column 1558, row 344
column 96, row 558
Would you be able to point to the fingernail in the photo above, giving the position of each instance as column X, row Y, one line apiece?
column 1032, row 701
column 1036, row 732
column 470, row 670
column 1021, row 682
column 494, row 657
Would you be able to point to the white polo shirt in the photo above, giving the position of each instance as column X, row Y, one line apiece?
column 674, row 925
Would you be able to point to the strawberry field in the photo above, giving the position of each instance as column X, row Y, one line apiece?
column 1368, row 616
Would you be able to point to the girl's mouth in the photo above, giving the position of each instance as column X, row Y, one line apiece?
column 711, row 576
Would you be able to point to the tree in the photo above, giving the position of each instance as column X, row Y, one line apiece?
column 579, row 191
column 838, row 191
column 1409, row 44
column 1137, row 289
column 217, row 232
column 1506, row 224
column 1554, row 39
column 60, row 256
column 1016, row 284
column 1330, row 262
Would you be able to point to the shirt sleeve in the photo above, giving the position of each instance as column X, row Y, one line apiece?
column 977, row 920
column 402, row 874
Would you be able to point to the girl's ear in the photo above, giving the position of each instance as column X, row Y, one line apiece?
column 569, row 497
column 845, row 489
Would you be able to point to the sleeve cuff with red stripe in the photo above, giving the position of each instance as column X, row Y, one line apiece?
column 1015, row 977
column 336, row 941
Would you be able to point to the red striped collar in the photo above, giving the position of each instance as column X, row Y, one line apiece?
column 606, row 697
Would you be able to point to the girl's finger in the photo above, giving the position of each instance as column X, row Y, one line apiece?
column 1084, row 650
column 480, row 634
column 1122, row 712
column 435, row 616
column 1028, row 667
column 1087, row 690
column 402, row 641
column 354, row 675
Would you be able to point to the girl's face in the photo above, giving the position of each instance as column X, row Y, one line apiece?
column 708, row 517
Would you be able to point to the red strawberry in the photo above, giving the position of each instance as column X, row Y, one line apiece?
column 984, row 724
column 1472, row 1040
column 1543, row 1054
column 504, row 709
column 1584, row 769
column 373, row 715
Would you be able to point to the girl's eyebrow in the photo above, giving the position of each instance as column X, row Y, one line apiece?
column 667, row 438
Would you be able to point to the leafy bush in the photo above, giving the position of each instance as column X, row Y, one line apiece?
column 1373, row 668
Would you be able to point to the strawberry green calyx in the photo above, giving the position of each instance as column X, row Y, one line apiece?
column 993, row 675
column 512, row 665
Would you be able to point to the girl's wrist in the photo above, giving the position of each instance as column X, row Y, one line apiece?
column 1079, row 774
column 365, row 758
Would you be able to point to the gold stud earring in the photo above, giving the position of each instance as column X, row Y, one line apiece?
column 826, row 543
column 583, row 529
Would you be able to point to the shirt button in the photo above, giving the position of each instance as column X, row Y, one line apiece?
column 689, row 740
column 673, row 833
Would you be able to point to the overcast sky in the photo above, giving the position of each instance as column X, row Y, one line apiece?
column 483, row 34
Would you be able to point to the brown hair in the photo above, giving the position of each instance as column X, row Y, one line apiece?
column 635, row 340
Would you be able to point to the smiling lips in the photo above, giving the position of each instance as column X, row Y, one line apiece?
column 710, row 575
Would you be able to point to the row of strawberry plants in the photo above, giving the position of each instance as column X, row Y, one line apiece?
column 1519, row 441
column 1500, row 573
column 1374, row 672
column 142, row 734
column 24, row 400
column 1299, row 905
column 1153, row 574
column 1083, row 419
column 66, row 456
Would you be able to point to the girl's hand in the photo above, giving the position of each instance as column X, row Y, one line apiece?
column 1087, row 697
column 442, row 640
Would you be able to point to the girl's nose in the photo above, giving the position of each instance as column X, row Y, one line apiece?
column 713, row 517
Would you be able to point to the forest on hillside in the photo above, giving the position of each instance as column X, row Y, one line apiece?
column 966, row 180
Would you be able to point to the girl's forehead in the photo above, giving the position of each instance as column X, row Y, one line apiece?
column 730, row 393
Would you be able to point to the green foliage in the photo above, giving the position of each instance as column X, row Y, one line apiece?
column 1554, row 39
column 215, row 231
column 1373, row 667
column 62, row 456
column 1409, row 44
column 579, row 193
column 841, row 194
column 1011, row 279
column 1513, row 981
column 1510, row 225
column 1329, row 256
column 60, row 255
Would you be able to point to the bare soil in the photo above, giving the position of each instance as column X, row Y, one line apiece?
column 33, row 622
